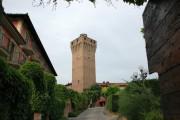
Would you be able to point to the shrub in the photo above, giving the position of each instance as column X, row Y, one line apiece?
column 139, row 102
column 73, row 114
column 93, row 93
column 113, row 103
column 109, row 103
column 58, row 109
column 83, row 102
column 112, row 90
column 155, row 114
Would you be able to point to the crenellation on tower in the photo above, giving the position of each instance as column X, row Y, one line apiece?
column 83, row 62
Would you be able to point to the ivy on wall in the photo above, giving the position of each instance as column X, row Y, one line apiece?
column 30, row 89
column 34, row 72
column 15, row 94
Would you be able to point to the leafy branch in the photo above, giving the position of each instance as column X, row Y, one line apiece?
column 55, row 2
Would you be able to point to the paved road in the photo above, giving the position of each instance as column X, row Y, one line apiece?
column 94, row 114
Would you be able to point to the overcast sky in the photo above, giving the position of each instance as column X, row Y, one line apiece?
column 120, row 44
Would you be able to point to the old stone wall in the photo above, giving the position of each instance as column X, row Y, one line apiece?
column 162, row 35
column 68, row 108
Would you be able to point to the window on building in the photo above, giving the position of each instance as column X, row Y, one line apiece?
column 11, row 50
column 15, row 55
column 27, row 37
column 6, row 41
column 22, row 58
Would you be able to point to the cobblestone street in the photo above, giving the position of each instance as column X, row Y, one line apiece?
column 94, row 114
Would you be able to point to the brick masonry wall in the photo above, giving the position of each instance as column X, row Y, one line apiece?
column 162, row 35
column 68, row 108
column 37, row 116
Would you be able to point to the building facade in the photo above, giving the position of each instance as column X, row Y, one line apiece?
column 83, row 63
column 19, row 41
column 105, row 85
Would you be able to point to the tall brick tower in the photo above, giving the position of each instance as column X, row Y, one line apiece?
column 83, row 63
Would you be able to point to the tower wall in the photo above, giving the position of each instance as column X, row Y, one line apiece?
column 83, row 63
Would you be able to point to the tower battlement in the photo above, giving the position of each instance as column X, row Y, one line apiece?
column 83, row 41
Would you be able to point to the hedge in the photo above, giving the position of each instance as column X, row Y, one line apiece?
column 112, row 103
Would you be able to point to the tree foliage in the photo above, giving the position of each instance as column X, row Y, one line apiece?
column 56, row 105
column 79, row 101
column 111, row 90
column 50, row 83
column 93, row 93
column 113, row 103
column 61, row 92
column 15, row 94
column 30, row 89
column 55, row 2
column 34, row 72
column 138, row 102
column 57, row 109
column 135, row 2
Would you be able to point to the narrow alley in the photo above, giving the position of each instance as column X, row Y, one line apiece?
column 96, row 113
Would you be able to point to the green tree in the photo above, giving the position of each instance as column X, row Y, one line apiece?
column 15, row 94
column 58, row 109
column 61, row 92
column 112, row 90
column 55, row 2
column 138, row 102
column 51, row 82
column 93, row 93
column 58, row 103
column 34, row 72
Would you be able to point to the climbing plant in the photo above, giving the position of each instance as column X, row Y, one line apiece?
column 51, row 105
column 93, row 93
column 15, row 94
column 34, row 72
column 50, row 83
column 111, row 90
